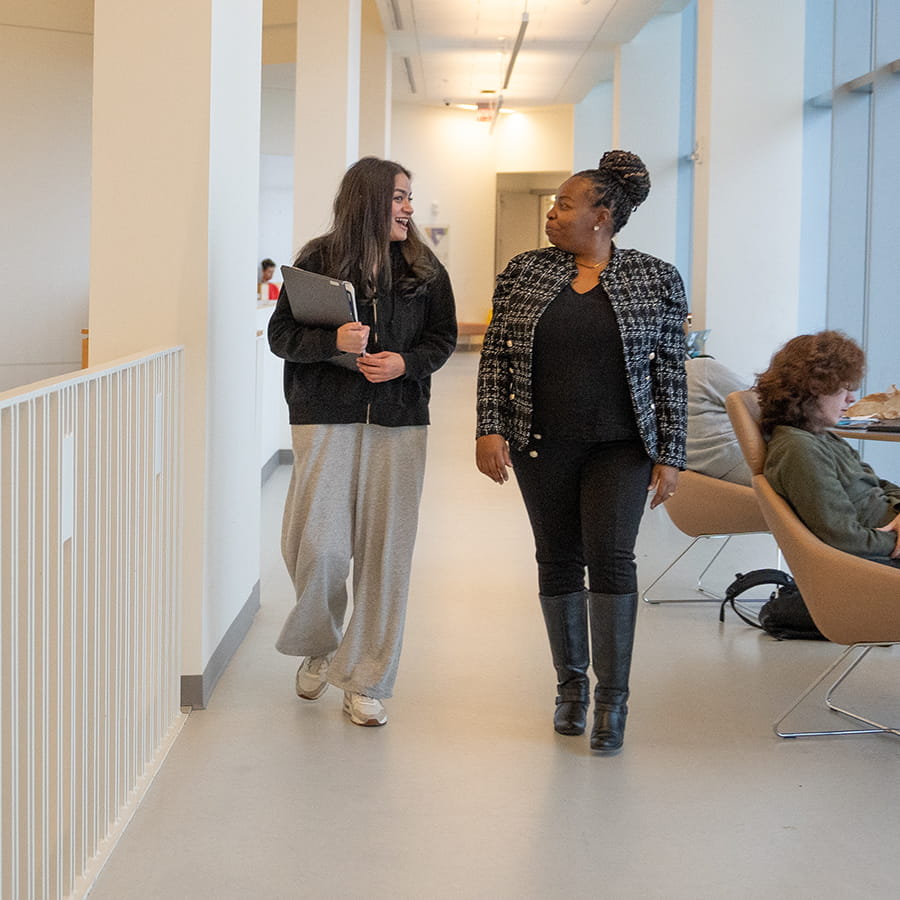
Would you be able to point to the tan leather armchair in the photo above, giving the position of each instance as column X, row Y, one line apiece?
column 853, row 601
column 704, row 507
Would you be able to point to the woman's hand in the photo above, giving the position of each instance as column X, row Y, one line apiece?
column 492, row 457
column 895, row 527
column 384, row 366
column 353, row 337
column 663, row 480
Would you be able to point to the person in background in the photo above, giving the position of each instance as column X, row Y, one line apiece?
column 808, row 386
column 712, row 446
column 581, row 389
column 267, row 289
column 359, row 437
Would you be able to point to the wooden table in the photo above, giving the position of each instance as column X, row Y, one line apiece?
column 851, row 434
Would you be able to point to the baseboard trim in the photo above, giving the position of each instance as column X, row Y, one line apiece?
column 278, row 458
column 197, row 689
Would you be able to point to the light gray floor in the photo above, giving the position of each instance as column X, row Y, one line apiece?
column 468, row 792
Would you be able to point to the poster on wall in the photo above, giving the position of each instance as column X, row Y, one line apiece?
column 438, row 239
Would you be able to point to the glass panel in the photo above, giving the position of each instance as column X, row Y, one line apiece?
column 887, row 31
column 853, row 39
column 849, row 214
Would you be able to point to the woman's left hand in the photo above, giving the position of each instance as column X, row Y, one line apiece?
column 663, row 480
column 384, row 366
column 895, row 527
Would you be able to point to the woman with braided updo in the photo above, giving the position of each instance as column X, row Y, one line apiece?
column 581, row 390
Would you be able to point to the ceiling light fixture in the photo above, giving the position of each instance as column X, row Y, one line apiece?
column 486, row 111
column 395, row 15
column 515, row 50
column 498, row 106
column 407, row 65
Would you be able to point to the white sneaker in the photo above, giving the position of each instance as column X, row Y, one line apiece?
column 310, row 682
column 364, row 710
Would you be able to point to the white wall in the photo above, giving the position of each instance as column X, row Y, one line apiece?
column 45, row 107
column 272, row 427
column 455, row 161
column 276, row 210
column 647, row 115
column 376, row 77
column 747, row 200
column 593, row 127
column 326, row 111
column 277, row 109
column 750, row 120
column 186, row 173
column 276, row 173
column 232, row 466
column 451, row 157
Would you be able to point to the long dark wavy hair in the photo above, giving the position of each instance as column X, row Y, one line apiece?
column 803, row 370
column 358, row 247
column 621, row 183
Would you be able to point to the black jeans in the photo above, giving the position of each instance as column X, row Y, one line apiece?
column 585, row 502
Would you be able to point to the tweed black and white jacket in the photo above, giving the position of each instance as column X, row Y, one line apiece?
column 648, row 298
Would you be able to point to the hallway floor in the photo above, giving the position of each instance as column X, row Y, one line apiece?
column 468, row 792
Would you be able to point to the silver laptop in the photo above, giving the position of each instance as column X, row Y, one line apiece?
column 318, row 300
column 321, row 302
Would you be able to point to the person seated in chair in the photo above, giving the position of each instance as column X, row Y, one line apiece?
column 808, row 386
column 712, row 445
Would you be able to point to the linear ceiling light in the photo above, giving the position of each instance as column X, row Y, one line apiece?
column 407, row 64
column 515, row 50
column 395, row 15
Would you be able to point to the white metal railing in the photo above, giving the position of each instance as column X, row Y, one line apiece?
column 90, row 581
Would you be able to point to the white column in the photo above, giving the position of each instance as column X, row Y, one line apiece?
column 648, row 123
column 326, row 123
column 375, row 85
column 702, row 125
column 749, row 177
column 174, row 219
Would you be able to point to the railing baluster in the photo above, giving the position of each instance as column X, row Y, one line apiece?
column 90, row 518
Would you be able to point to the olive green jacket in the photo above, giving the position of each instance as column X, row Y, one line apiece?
column 836, row 495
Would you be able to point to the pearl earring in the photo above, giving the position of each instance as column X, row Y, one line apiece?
column 596, row 228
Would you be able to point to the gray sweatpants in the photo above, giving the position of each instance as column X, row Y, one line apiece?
column 354, row 495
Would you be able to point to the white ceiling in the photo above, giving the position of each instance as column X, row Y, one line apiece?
column 456, row 49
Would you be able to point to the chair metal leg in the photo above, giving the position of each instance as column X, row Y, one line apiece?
column 716, row 555
column 847, row 660
column 668, row 568
column 711, row 596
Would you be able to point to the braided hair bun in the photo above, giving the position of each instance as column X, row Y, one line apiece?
column 621, row 183
column 627, row 170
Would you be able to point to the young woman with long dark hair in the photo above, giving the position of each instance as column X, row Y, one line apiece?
column 359, row 438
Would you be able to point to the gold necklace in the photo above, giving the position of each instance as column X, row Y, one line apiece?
column 602, row 262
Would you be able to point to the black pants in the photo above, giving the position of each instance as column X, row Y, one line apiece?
column 585, row 502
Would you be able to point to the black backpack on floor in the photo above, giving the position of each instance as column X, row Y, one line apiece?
column 784, row 615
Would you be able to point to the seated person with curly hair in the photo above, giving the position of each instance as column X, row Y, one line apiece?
column 808, row 386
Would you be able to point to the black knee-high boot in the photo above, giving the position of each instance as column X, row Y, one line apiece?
column 613, row 619
column 567, row 628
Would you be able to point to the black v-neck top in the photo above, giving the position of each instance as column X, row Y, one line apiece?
column 580, row 390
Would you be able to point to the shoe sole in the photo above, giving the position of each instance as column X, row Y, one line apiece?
column 312, row 695
column 607, row 751
column 365, row 723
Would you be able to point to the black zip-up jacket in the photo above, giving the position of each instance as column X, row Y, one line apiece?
column 419, row 323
